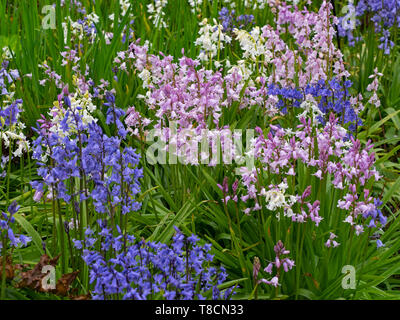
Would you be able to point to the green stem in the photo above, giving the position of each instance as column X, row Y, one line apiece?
column 300, row 251
column 363, row 262
column 53, row 207
column 62, row 240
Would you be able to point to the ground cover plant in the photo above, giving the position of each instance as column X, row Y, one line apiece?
column 209, row 149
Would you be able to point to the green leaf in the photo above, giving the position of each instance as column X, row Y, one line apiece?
column 394, row 188
column 307, row 294
column 37, row 240
column 378, row 125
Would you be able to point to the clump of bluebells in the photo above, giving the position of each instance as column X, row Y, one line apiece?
column 78, row 148
column 287, row 187
column 308, row 183
column 299, row 50
column 140, row 269
column 384, row 14
column 7, row 77
column 8, row 239
column 325, row 152
column 7, row 235
column 229, row 20
column 281, row 264
column 12, row 137
column 332, row 96
column 95, row 175
column 83, row 30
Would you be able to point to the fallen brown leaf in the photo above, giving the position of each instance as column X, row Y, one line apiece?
column 9, row 268
column 33, row 278
column 64, row 283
